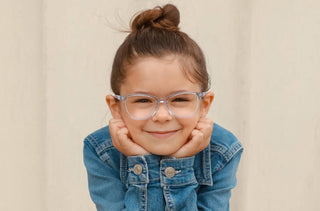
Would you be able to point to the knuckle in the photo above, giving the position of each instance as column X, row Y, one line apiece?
column 118, row 133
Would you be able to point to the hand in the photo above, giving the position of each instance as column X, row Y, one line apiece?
column 199, row 139
column 122, row 140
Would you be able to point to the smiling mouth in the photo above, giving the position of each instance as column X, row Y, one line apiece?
column 162, row 134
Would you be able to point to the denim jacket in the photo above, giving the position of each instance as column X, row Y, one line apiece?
column 151, row 182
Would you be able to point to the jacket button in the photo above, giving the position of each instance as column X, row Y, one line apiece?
column 137, row 169
column 170, row 172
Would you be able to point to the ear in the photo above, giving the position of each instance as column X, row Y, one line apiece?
column 206, row 103
column 114, row 106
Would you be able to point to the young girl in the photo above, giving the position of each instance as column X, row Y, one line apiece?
column 160, row 152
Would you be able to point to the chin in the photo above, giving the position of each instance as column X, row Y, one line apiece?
column 162, row 153
column 164, row 150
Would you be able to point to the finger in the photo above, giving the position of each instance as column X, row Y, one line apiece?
column 192, row 147
column 199, row 141
column 122, row 135
column 204, row 123
column 116, row 128
column 194, row 134
column 117, row 122
column 126, row 145
column 204, row 119
column 206, row 127
column 119, row 137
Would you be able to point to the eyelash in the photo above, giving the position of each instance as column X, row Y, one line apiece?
column 144, row 100
column 180, row 100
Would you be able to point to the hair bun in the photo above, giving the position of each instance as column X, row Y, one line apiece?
column 166, row 17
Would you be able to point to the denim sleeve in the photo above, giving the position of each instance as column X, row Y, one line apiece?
column 106, row 189
column 216, row 197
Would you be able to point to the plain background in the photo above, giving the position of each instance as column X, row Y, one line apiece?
column 55, row 61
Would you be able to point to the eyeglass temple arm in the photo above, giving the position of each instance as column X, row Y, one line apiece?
column 202, row 94
column 118, row 97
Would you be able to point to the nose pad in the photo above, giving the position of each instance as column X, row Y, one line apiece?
column 162, row 113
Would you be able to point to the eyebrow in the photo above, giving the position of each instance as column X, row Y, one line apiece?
column 153, row 94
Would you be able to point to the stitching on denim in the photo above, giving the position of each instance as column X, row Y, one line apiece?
column 218, row 167
column 220, row 149
column 168, row 198
column 144, row 197
column 191, row 182
column 147, row 169
column 123, row 166
column 206, row 167
column 234, row 148
column 227, row 153
column 92, row 140
column 230, row 158
column 99, row 147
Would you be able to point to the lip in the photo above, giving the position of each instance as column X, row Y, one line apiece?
column 162, row 134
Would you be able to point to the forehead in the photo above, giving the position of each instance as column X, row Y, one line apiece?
column 158, row 76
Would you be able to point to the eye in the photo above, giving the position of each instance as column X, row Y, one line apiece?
column 180, row 99
column 143, row 100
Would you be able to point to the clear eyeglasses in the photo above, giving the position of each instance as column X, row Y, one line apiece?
column 143, row 106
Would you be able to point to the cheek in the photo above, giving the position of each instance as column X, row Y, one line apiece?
column 134, row 126
column 190, row 123
column 201, row 110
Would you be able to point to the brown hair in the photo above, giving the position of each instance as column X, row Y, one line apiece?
column 155, row 33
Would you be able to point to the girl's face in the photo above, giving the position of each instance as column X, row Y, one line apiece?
column 162, row 134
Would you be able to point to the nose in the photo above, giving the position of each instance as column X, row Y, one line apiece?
column 162, row 114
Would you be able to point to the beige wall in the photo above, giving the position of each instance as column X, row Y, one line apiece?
column 22, row 107
column 264, row 59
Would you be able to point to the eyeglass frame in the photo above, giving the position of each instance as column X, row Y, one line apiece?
column 158, row 100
